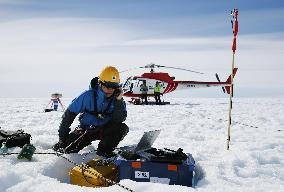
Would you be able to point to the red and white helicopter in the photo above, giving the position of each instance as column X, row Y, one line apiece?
column 131, row 87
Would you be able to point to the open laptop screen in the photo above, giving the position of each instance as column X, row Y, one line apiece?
column 147, row 140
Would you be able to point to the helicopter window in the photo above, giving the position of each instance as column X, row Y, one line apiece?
column 127, row 82
column 140, row 82
column 131, row 87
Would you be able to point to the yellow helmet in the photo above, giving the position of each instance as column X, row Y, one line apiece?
column 109, row 77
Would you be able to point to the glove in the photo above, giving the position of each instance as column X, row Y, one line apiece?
column 61, row 144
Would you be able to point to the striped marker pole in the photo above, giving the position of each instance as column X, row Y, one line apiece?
column 235, row 26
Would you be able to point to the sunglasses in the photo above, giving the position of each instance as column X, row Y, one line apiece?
column 110, row 85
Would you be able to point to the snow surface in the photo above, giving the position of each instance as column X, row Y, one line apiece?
column 255, row 161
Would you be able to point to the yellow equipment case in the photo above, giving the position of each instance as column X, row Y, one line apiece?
column 91, row 174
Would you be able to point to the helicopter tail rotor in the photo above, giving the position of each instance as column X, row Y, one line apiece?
column 229, row 81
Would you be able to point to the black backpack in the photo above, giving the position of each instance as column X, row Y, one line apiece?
column 14, row 138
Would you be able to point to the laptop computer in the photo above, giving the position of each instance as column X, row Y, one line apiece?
column 144, row 144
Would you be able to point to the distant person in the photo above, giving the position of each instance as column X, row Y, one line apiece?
column 103, row 112
column 131, row 88
column 157, row 93
column 55, row 101
column 144, row 91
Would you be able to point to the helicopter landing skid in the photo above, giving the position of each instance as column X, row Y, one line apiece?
column 138, row 101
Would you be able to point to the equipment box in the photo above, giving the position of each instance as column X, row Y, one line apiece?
column 89, row 174
column 158, row 170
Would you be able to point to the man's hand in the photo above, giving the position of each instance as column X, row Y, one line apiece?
column 61, row 144
column 119, row 97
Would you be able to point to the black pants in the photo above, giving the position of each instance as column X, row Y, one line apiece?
column 157, row 98
column 109, row 135
column 144, row 96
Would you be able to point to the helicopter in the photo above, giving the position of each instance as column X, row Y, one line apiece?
column 131, row 87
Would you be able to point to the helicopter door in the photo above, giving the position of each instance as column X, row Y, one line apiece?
column 136, row 86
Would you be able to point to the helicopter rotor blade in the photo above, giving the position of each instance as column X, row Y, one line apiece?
column 152, row 66
column 179, row 69
column 130, row 69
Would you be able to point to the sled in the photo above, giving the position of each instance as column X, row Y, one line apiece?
column 137, row 101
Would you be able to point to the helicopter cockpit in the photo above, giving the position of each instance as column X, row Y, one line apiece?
column 132, row 85
column 128, row 85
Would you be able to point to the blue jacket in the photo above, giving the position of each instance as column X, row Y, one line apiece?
column 85, row 102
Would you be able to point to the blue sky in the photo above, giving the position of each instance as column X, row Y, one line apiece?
column 260, row 12
column 49, row 45
column 132, row 8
